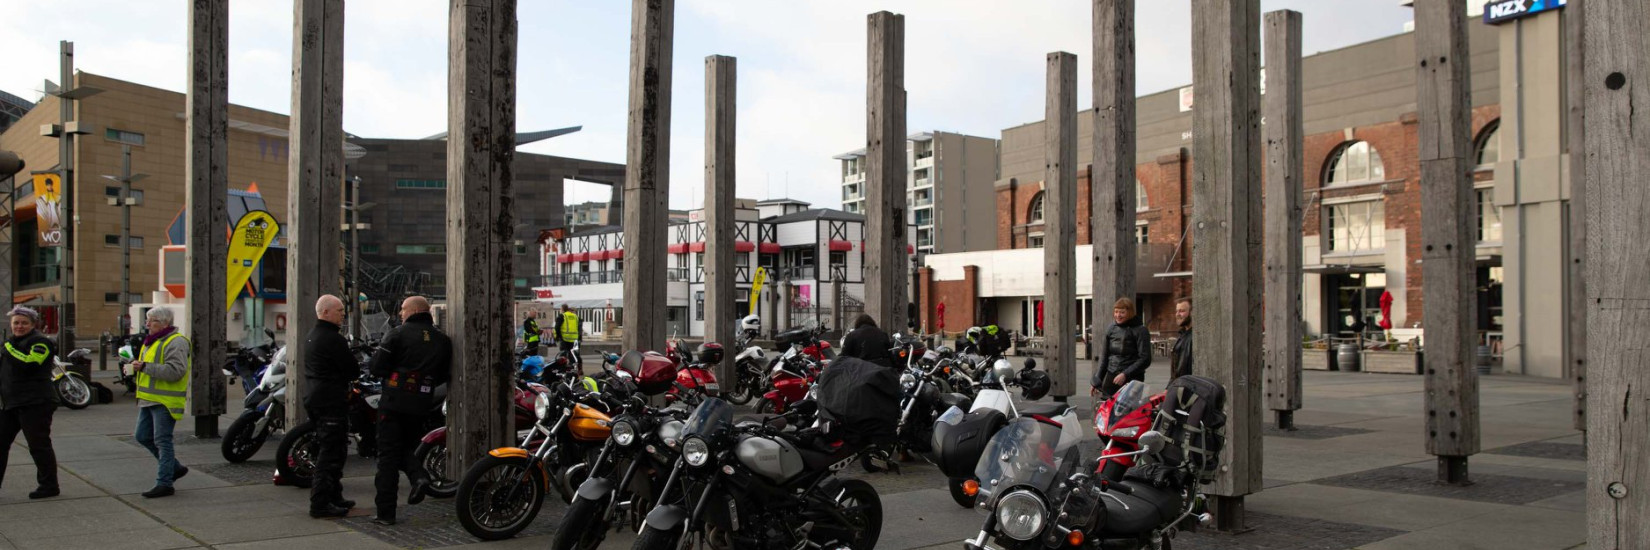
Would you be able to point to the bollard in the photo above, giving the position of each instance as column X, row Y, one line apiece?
column 103, row 351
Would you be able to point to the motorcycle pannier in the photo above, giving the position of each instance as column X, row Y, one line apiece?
column 957, row 447
column 862, row 398
column 1193, row 418
column 653, row 372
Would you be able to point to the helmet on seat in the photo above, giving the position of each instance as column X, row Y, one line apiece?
column 710, row 353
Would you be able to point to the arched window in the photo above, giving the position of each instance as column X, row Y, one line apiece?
column 1035, row 214
column 1354, row 162
column 1488, row 148
column 1140, row 202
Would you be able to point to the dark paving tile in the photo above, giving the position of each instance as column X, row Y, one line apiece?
column 1313, row 432
column 1494, row 488
column 251, row 472
column 1288, row 533
column 434, row 523
column 178, row 440
column 1544, row 449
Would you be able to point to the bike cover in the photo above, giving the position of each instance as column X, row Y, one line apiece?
column 862, row 398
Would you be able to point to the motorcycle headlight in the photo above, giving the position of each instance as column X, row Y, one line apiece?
column 907, row 381
column 624, row 433
column 1130, row 431
column 695, row 451
column 541, row 406
column 1020, row 515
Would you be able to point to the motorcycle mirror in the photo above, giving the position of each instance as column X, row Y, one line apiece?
column 1031, row 363
column 1153, row 442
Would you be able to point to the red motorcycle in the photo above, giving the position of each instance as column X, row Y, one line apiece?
column 790, row 375
column 696, row 376
column 1120, row 421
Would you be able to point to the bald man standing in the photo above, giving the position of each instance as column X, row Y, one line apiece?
column 328, row 369
column 415, row 358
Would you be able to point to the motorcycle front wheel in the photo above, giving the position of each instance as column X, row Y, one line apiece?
column 744, row 385
column 74, row 392
column 863, row 509
column 295, row 456
column 655, row 539
column 433, row 458
column 499, row 497
column 581, row 526
column 242, row 440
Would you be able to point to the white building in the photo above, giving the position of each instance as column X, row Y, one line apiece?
column 949, row 188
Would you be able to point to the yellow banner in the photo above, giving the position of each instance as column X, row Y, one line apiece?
column 252, row 236
column 756, row 287
column 48, row 208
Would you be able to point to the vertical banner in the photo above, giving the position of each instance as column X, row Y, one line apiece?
column 253, row 235
column 48, row 208
column 756, row 287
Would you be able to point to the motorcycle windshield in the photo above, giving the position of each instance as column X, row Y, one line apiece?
column 1025, row 453
column 1130, row 398
column 709, row 419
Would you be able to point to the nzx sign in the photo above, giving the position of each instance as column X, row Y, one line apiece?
column 1500, row 11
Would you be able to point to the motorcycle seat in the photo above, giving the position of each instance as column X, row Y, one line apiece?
column 948, row 400
column 817, row 453
column 1050, row 410
column 1144, row 510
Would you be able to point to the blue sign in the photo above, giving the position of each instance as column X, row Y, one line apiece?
column 1501, row 11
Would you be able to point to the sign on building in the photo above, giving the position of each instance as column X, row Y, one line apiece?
column 1500, row 11
column 48, row 208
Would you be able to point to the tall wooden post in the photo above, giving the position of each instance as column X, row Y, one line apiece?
column 1575, row 346
column 721, row 74
column 1447, row 240
column 1283, row 137
column 1617, row 87
column 208, row 192
column 1111, row 177
column 481, row 120
column 885, row 178
column 315, row 172
column 1060, row 219
column 647, row 172
column 1226, row 285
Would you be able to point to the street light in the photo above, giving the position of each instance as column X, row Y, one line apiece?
column 125, row 201
column 355, row 207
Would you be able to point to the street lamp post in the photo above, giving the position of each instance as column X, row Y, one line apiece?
column 355, row 207
column 125, row 201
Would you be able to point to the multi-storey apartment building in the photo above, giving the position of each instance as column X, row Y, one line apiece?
column 949, row 193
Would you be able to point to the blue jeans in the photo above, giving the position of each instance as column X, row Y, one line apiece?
column 154, row 432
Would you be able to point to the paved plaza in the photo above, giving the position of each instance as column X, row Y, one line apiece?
column 1355, row 476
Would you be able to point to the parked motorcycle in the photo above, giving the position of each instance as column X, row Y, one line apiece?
column 747, row 365
column 960, row 438
column 264, row 412
column 431, row 453
column 1120, row 422
column 248, row 363
column 296, row 455
column 794, row 371
column 695, row 376
column 755, row 485
column 72, row 390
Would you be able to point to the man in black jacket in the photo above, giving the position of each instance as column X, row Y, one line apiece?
column 1180, row 360
column 414, row 359
column 328, row 369
column 868, row 342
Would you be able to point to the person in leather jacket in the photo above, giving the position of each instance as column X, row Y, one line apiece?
column 27, row 398
column 329, row 367
column 1180, row 360
column 868, row 342
column 1125, row 352
column 414, row 359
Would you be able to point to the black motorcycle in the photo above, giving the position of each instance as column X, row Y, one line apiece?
column 296, row 456
column 624, row 480
column 756, row 485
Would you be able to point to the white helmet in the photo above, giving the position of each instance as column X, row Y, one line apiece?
column 750, row 322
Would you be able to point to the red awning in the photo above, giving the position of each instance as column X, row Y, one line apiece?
column 564, row 258
column 677, row 248
column 841, row 246
column 578, row 257
column 768, row 248
column 743, row 246
column 599, row 255
column 615, row 254
column 696, row 247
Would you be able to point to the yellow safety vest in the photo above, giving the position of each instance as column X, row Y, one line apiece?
column 569, row 327
column 169, row 394
column 531, row 331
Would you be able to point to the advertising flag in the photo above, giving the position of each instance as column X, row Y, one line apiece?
column 252, row 236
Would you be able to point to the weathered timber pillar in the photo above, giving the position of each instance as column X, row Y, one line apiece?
column 315, row 174
column 1283, row 138
column 885, row 179
column 207, row 166
column 481, row 120
column 647, row 173
column 1060, row 218
column 1447, row 240
column 1575, row 346
column 1111, row 177
column 1617, row 88
column 721, row 73
column 838, row 324
column 1226, row 285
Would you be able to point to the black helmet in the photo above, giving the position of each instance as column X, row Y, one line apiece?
column 1034, row 384
column 710, row 353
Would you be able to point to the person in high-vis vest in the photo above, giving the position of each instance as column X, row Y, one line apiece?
column 531, row 333
column 27, row 399
column 162, row 375
column 568, row 334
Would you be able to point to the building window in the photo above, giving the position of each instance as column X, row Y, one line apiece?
column 521, row 282
column 1035, row 214
column 428, row 249
column 1355, row 226
column 925, row 238
column 1034, row 241
column 521, row 250
column 123, row 136
column 420, row 184
column 137, row 242
column 113, row 192
column 1140, row 202
column 925, row 217
column 1488, row 148
column 369, row 249
column 111, row 240
column 1489, row 216
column 1141, row 234
column 1354, row 162
column 114, row 298
column 839, row 258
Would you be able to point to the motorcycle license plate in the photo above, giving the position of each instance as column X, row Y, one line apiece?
column 712, row 387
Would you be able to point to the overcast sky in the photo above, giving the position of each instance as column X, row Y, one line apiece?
column 972, row 66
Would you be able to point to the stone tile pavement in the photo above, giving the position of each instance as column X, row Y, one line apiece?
column 1355, row 476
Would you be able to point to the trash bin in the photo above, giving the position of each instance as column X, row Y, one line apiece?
column 1483, row 360
column 1347, row 358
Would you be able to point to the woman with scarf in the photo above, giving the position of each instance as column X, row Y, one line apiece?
column 162, row 372
column 27, row 399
